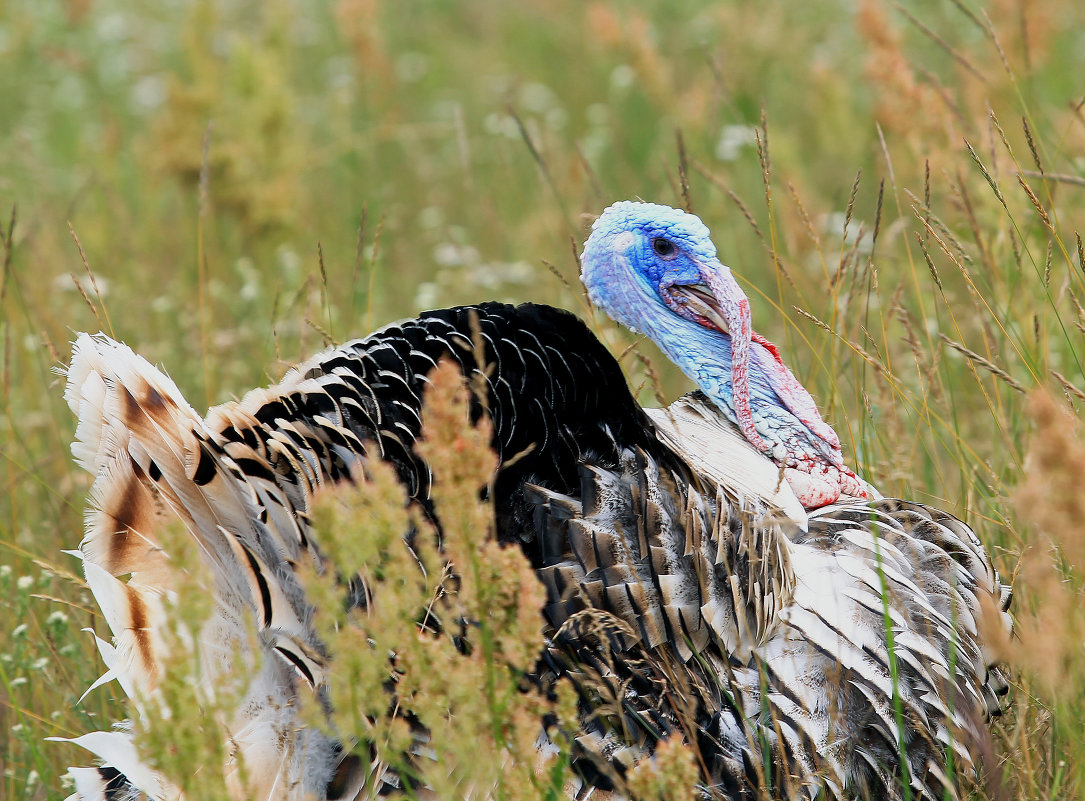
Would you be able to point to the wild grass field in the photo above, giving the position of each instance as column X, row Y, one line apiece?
column 228, row 186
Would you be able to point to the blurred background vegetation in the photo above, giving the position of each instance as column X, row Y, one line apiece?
column 898, row 186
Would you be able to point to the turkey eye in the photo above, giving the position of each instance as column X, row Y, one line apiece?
column 664, row 248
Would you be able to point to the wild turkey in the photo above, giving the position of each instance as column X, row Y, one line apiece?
column 691, row 584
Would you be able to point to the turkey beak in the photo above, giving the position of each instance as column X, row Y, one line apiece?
column 699, row 302
column 716, row 301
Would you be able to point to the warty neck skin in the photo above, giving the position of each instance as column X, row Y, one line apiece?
column 655, row 270
column 704, row 355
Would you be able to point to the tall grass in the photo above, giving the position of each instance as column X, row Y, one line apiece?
column 900, row 188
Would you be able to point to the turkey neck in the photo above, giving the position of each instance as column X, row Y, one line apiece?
column 704, row 355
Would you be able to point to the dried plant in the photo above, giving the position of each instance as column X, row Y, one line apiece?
column 1052, row 619
column 438, row 624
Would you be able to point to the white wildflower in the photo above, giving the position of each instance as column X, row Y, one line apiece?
column 431, row 217
column 148, row 93
column 501, row 125
column 427, row 295
column 536, row 97
column 733, row 138
column 72, row 282
column 622, row 76
column 556, row 119
column 289, row 262
column 412, row 66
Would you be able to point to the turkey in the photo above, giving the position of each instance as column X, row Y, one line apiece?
column 806, row 650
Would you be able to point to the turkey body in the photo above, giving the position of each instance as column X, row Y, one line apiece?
column 833, row 656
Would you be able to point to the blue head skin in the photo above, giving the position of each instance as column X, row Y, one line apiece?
column 655, row 270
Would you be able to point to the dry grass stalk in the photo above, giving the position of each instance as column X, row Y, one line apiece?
column 930, row 262
column 986, row 364
column 934, row 37
column 593, row 179
column 683, row 170
column 926, row 188
column 1035, row 202
column 808, row 224
column 554, row 271
column 871, row 360
column 1015, row 245
column 1032, row 145
column 992, row 118
column 1077, row 307
column 764, row 157
column 986, row 175
column 885, row 154
column 1067, row 385
column 998, row 45
column 1056, row 177
column 325, row 336
column 734, row 199
column 848, row 257
column 914, row 346
column 877, row 217
column 769, row 248
column 858, row 272
column 971, row 15
column 973, row 224
column 9, row 245
column 761, row 139
column 945, row 233
column 324, row 287
column 93, row 282
column 850, row 209
column 86, row 298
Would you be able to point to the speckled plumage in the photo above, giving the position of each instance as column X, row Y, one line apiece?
column 242, row 479
column 789, row 685
column 676, row 602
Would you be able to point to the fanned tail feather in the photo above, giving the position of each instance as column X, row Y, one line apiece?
column 154, row 463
